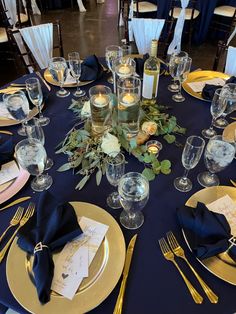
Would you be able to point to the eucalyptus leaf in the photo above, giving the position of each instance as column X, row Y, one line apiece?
column 147, row 158
column 98, row 176
column 170, row 138
column 64, row 167
column 149, row 174
column 82, row 182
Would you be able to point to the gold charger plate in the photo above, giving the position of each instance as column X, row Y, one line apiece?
column 104, row 271
column 201, row 76
column 9, row 122
column 221, row 265
column 48, row 77
column 229, row 134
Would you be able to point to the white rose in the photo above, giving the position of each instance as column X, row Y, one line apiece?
column 86, row 110
column 149, row 127
column 110, row 145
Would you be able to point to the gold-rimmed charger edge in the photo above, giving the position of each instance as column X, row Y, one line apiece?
column 229, row 132
column 48, row 77
column 8, row 122
column 221, row 265
column 104, row 271
column 200, row 76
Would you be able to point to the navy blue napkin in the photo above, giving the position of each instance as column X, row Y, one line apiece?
column 53, row 225
column 91, row 69
column 207, row 232
column 6, row 151
column 209, row 90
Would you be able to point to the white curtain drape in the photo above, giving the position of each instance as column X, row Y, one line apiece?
column 11, row 11
column 175, row 45
column 39, row 39
column 144, row 31
column 230, row 66
column 231, row 36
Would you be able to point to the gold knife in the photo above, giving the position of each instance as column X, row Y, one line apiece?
column 19, row 200
column 129, row 254
column 43, row 80
column 6, row 132
column 234, row 184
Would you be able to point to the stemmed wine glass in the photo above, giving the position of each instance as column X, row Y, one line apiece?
column 32, row 156
column 191, row 155
column 35, row 94
column 115, row 168
column 182, row 71
column 175, row 58
column 18, row 106
column 34, row 130
column 218, row 155
column 112, row 52
column 59, row 69
column 133, row 189
column 217, row 108
column 228, row 92
column 75, row 68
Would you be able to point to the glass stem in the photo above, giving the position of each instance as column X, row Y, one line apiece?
column 212, row 122
column 185, row 175
column 40, row 178
column 77, row 84
column 40, row 111
column 180, row 89
column 114, row 81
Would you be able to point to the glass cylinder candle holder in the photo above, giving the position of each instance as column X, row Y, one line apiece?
column 124, row 67
column 154, row 147
column 101, row 109
column 129, row 91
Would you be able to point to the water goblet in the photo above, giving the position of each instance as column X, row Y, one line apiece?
column 228, row 92
column 112, row 52
column 173, row 66
column 115, row 168
column 133, row 189
column 18, row 106
column 75, row 68
column 35, row 94
column 31, row 156
column 34, row 130
column 59, row 69
column 217, row 108
column 218, row 155
column 183, row 70
column 191, row 155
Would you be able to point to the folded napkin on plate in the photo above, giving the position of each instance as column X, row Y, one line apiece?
column 53, row 225
column 207, row 232
column 6, row 151
column 91, row 69
column 209, row 90
column 140, row 65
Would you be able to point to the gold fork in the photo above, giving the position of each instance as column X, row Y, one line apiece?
column 178, row 251
column 233, row 183
column 14, row 221
column 29, row 213
column 168, row 254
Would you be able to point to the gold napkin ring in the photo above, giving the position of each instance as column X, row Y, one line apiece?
column 39, row 247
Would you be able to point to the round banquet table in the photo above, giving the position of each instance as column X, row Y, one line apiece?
column 154, row 285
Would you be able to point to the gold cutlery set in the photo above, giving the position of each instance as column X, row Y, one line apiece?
column 173, row 249
column 20, row 218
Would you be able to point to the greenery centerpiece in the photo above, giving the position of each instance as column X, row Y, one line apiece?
column 87, row 153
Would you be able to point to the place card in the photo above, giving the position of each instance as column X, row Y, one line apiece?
column 4, row 113
column 197, row 87
column 8, row 172
column 226, row 206
column 71, row 266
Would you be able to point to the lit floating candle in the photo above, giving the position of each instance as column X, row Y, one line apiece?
column 154, row 147
column 101, row 100
column 124, row 69
column 128, row 99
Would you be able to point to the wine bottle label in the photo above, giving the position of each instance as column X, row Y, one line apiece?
column 150, row 86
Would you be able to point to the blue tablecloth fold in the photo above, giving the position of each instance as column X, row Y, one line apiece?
column 53, row 225
column 91, row 69
column 207, row 232
column 6, row 151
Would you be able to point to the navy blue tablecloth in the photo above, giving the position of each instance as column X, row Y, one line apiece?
column 154, row 285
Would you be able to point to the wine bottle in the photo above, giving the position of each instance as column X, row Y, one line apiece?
column 151, row 76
